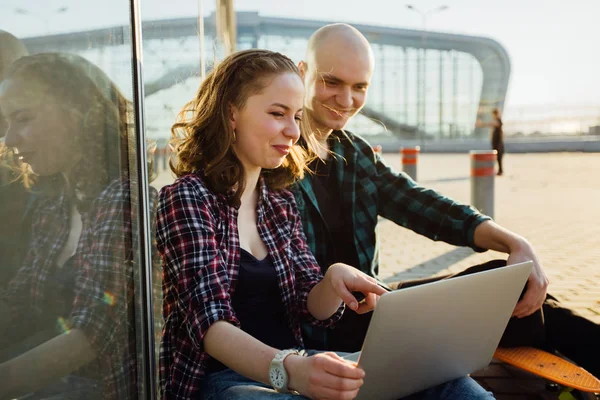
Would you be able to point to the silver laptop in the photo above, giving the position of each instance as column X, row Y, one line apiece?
column 425, row 335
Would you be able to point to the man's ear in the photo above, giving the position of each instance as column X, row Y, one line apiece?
column 302, row 67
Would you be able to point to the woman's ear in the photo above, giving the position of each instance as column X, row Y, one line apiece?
column 232, row 115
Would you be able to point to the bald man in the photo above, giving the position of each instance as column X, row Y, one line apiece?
column 352, row 187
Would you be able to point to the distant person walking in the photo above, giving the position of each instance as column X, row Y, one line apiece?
column 497, row 136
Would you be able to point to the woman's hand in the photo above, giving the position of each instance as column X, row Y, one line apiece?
column 324, row 376
column 344, row 280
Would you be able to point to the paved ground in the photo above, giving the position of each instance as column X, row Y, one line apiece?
column 552, row 199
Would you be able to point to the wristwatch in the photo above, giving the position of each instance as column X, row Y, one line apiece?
column 278, row 376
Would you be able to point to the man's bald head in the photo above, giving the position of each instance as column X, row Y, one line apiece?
column 342, row 39
column 11, row 49
column 337, row 72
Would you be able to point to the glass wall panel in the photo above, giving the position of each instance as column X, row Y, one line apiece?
column 172, row 75
column 70, row 308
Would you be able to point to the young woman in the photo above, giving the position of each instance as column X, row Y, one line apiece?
column 238, row 275
column 66, row 318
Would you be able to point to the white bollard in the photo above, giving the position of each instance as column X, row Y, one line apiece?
column 410, row 158
column 482, row 180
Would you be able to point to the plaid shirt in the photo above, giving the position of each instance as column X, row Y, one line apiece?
column 370, row 188
column 197, row 236
column 97, row 292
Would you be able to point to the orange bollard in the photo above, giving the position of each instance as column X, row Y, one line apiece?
column 410, row 158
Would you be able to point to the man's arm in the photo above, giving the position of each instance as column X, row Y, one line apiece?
column 489, row 235
column 424, row 211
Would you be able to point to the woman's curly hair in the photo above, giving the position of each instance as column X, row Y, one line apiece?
column 202, row 136
column 107, row 131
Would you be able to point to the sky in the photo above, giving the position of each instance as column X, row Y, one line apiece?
column 553, row 44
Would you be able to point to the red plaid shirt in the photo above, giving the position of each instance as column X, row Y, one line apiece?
column 97, row 293
column 197, row 236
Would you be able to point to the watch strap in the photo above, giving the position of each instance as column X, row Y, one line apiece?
column 278, row 361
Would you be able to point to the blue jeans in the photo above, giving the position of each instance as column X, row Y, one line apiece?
column 229, row 385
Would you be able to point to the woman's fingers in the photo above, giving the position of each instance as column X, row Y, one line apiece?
column 332, row 377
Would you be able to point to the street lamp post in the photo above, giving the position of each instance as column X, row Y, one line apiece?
column 422, row 69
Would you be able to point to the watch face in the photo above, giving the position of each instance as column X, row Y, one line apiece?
column 277, row 379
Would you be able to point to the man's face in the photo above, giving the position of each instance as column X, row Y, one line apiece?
column 336, row 86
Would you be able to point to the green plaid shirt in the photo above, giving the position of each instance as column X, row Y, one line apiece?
column 370, row 188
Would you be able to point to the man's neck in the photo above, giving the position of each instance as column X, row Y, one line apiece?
column 322, row 134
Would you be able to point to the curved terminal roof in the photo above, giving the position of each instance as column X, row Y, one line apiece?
column 493, row 58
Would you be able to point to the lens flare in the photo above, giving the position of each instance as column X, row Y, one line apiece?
column 109, row 298
column 64, row 327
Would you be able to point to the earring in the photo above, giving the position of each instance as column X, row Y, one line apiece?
column 234, row 137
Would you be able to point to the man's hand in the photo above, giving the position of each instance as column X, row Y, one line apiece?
column 324, row 376
column 537, row 283
column 344, row 280
column 490, row 235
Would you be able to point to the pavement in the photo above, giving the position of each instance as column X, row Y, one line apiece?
column 552, row 199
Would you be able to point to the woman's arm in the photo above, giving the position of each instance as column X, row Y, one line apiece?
column 45, row 364
column 337, row 286
column 239, row 351
column 320, row 376
column 322, row 297
column 195, row 270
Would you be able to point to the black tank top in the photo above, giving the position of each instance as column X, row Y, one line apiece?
column 258, row 305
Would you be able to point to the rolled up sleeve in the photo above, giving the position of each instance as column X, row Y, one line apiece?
column 195, row 272
column 425, row 211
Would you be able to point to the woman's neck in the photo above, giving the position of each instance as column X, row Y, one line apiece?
column 252, row 178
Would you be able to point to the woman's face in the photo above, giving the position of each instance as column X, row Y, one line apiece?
column 267, row 126
column 40, row 129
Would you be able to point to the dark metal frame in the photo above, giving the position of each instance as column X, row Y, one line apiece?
column 147, row 367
